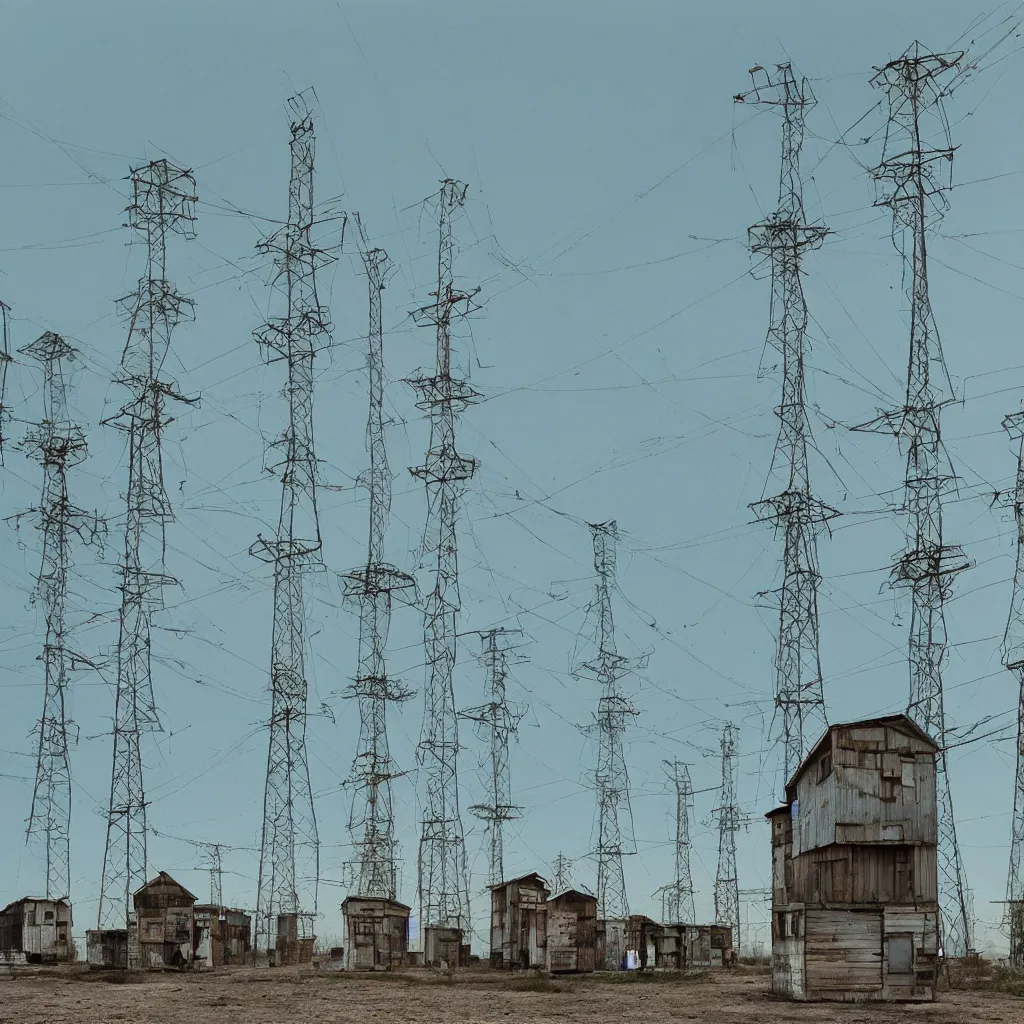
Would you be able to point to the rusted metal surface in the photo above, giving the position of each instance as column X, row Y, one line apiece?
column 854, row 868
column 572, row 931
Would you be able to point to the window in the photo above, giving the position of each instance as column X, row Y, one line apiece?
column 48, row 917
column 825, row 767
column 781, row 924
column 901, row 954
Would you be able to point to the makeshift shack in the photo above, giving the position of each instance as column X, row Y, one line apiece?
column 222, row 936
column 519, row 923
column 166, row 922
column 855, row 912
column 572, row 931
column 38, row 928
column 377, row 933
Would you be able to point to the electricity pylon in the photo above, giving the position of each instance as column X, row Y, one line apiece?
column 59, row 444
column 289, row 869
column 163, row 204
column 727, row 889
column 372, row 586
column 677, row 897
column 915, row 177
column 796, row 513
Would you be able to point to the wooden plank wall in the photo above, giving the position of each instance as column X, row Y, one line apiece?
column 843, row 954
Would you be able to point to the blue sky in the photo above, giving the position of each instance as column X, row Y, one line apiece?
column 612, row 180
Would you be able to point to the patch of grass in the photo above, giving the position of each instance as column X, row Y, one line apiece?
column 985, row 976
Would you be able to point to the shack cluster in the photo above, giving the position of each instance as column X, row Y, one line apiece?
column 855, row 913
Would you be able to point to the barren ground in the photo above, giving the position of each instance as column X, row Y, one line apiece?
column 286, row 996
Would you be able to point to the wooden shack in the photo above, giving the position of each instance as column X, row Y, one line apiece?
column 519, row 931
column 295, row 940
column 611, row 943
column 222, row 936
column 38, row 928
column 376, row 933
column 444, row 946
column 642, row 933
column 685, row 946
column 855, row 912
column 572, row 931
column 166, row 922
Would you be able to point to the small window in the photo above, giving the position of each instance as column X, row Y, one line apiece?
column 48, row 917
column 825, row 767
column 781, row 924
column 901, row 954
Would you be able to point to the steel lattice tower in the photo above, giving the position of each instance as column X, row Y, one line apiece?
column 1013, row 659
column 499, row 720
column 562, row 871
column 727, row 888
column 289, row 848
column 677, row 899
column 913, row 177
column 59, row 445
column 372, row 585
column 163, row 204
column 611, row 778
column 796, row 514
column 444, row 897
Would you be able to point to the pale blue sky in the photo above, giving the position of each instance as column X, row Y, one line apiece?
column 612, row 181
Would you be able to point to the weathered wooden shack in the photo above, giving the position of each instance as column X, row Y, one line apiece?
column 222, row 936
column 166, row 921
column 38, row 928
column 611, row 943
column 572, row 931
column 855, row 911
column 444, row 946
column 683, row 946
column 377, row 933
column 295, row 940
column 642, row 933
column 519, row 923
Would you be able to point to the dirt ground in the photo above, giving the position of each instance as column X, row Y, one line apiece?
column 285, row 996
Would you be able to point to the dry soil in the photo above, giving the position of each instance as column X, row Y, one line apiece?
column 285, row 996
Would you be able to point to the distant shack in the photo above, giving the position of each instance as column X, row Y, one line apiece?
column 855, row 912
column 36, row 931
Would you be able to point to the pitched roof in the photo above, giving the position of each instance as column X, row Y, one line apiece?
column 522, row 878
column 163, row 879
column 903, row 722
column 376, row 899
column 572, row 892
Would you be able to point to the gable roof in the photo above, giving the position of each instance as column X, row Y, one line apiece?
column 572, row 892
column 532, row 876
column 902, row 722
column 375, row 899
column 163, row 879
